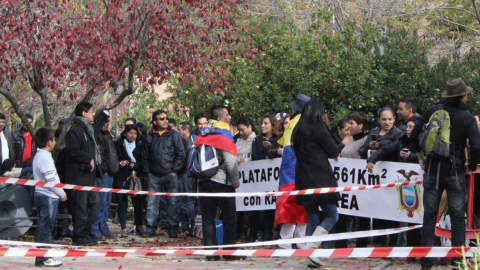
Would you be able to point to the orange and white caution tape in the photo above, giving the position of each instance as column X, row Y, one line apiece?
column 26, row 182
column 383, row 252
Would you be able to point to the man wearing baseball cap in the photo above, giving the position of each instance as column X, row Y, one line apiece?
column 447, row 173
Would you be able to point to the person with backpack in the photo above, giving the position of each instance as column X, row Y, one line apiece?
column 163, row 156
column 439, row 138
column 219, row 174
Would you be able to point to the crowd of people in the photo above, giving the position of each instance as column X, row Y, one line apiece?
column 156, row 160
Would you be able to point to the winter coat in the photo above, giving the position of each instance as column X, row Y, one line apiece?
column 463, row 126
column 126, row 171
column 394, row 149
column 387, row 145
column 163, row 154
column 259, row 151
column 8, row 137
column 19, row 146
column 313, row 169
column 80, row 151
column 337, row 141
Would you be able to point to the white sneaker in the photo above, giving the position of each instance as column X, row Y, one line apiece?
column 50, row 263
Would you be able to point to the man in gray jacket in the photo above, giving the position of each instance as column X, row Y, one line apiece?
column 225, row 181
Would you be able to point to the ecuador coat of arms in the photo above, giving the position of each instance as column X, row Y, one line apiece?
column 409, row 197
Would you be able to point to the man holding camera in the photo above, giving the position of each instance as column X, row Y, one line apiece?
column 83, row 165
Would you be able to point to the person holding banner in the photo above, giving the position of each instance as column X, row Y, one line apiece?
column 246, row 129
column 357, row 122
column 313, row 147
column 382, row 142
column 292, row 216
column 263, row 221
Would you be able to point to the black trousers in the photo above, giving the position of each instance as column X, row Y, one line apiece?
column 209, row 211
column 84, row 211
column 364, row 225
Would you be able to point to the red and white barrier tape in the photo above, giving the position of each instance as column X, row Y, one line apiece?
column 307, row 239
column 26, row 182
column 384, row 252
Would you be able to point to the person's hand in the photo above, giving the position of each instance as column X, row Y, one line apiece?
column 266, row 144
column 404, row 154
column 422, row 164
column 92, row 163
column 123, row 163
column 64, row 198
column 241, row 160
column 131, row 165
column 469, row 172
column 336, row 159
column 345, row 140
column 370, row 167
column 280, row 151
column 372, row 152
column 236, row 185
column 173, row 173
column 373, row 145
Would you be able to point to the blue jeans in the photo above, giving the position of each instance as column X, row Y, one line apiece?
column 313, row 217
column 100, row 225
column 456, row 204
column 162, row 204
column 185, row 204
column 46, row 211
column 169, row 184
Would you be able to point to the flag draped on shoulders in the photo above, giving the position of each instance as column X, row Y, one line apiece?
column 287, row 210
column 218, row 135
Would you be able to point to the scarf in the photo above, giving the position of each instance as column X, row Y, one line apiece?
column 130, row 147
column 89, row 128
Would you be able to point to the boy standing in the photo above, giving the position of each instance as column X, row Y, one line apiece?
column 46, row 198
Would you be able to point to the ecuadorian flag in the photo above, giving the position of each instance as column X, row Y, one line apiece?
column 287, row 209
column 218, row 135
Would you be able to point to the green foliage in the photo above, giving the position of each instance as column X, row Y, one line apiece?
column 360, row 69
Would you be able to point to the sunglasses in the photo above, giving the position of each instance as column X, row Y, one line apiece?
column 162, row 118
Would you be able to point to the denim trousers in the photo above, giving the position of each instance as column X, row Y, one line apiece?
column 169, row 184
column 330, row 214
column 46, row 211
column 456, row 204
column 185, row 204
column 100, row 225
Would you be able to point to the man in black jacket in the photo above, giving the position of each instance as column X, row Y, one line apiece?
column 448, row 173
column 83, row 164
column 163, row 155
column 23, row 143
column 109, row 167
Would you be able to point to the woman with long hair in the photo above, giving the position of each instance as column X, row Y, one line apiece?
column 262, row 221
column 313, row 147
column 129, row 155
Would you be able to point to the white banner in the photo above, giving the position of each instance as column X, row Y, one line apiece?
column 399, row 204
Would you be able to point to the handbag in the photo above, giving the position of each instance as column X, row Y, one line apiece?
column 134, row 185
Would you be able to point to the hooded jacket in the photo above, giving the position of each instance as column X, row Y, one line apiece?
column 105, row 144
